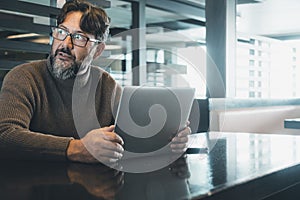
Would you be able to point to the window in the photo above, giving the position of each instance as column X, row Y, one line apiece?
column 251, row 94
column 271, row 68
column 258, row 94
column 259, row 43
column 259, row 84
column 251, row 83
column 259, row 73
column 259, row 53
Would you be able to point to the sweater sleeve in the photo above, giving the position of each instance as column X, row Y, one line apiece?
column 17, row 105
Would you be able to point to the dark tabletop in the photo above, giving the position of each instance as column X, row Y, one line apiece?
column 235, row 166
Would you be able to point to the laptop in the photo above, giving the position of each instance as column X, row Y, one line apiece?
column 149, row 117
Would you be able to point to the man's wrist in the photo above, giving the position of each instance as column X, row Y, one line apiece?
column 73, row 150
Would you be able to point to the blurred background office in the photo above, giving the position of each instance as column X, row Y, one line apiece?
column 241, row 55
column 257, row 42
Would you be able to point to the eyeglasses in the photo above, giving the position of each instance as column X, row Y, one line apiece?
column 76, row 38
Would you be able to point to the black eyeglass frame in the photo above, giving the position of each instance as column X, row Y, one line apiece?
column 72, row 35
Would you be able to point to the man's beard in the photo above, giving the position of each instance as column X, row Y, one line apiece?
column 61, row 69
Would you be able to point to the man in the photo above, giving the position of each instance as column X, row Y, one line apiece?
column 36, row 117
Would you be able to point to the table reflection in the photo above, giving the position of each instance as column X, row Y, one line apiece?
column 36, row 180
column 244, row 165
column 236, row 166
column 45, row 180
column 170, row 182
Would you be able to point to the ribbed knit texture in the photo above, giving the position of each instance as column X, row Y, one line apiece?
column 36, row 118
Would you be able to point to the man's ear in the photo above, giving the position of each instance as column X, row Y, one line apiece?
column 99, row 50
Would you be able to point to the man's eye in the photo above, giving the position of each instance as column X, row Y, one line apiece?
column 79, row 37
column 61, row 32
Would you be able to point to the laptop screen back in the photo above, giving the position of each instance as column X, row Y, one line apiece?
column 149, row 117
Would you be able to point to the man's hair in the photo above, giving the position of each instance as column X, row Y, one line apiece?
column 93, row 21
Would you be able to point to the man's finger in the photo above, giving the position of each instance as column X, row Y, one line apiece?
column 186, row 131
column 180, row 139
column 111, row 136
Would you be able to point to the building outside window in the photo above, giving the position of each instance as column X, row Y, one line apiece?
column 275, row 66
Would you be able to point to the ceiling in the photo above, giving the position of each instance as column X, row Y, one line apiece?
column 272, row 18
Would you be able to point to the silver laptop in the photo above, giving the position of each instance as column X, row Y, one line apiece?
column 149, row 117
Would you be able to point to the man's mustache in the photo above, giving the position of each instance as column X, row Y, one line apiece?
column 64, row 50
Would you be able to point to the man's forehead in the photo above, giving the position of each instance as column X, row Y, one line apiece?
column 71, row 30
column 72, row 22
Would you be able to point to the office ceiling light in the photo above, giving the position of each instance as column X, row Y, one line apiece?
column 25, row 35
column 42, row 40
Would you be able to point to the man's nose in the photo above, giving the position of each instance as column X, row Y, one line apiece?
column 68, row 42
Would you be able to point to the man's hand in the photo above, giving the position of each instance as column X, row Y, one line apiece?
column 101, row 144
column 99, row 180
column 179, row 142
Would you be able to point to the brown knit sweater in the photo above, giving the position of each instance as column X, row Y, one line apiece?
column 36, row 116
